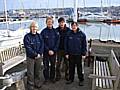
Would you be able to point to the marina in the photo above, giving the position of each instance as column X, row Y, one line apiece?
column 101, row 65
column 100, row 33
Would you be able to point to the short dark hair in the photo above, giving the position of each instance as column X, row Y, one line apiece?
column 61, row 19
column 74, row 23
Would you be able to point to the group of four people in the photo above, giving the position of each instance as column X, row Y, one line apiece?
column 69, row 45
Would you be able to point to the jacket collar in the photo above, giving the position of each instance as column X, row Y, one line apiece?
column 49, row 28
column 33, row 34
column 63, row 29
column 77, row 30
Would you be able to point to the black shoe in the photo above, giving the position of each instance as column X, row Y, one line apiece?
column 81, row 83
column 66, row 78
column 57, row 79
column 69, row 82
column 45, row 82
column 38, row 86
column 52, row 81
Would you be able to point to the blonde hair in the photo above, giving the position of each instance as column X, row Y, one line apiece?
column 49, row 18
column 34, row 23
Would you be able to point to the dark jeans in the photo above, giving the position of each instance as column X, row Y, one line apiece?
column 60, row 58
column 49, row 74
column 75, row 60
column 33, row 72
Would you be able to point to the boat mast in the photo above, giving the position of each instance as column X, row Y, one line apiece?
column 75, row 10
column 6, row 18
column 84, row 11
column 63, row 6
column 109, row 8
column 101, row 7
column 63, row 3
column 57, row 9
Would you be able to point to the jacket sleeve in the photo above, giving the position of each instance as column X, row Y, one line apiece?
column 45, row 46
column 41, row 49
column 84, row 45
column 28, row 47
column 57, row 41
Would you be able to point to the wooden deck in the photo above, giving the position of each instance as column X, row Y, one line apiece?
column 60, row 85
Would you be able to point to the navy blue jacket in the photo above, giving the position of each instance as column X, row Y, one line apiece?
column 75, row 43
column 62, row 34
column 34, row 45
column 51, row 39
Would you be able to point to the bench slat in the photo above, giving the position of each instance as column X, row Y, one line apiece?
column 94, row 72
column 102, row 69
column 110, row 81
column 2, row 55
column 106, row 75
column 103, row 74
column 106, row 80
column 97, row 69
column 100, row 74
column 13, row 62
column 10, row 57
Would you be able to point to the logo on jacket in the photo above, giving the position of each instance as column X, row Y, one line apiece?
column 70, row 37
column 46, row 36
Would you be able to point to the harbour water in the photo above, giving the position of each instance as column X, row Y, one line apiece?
column 100, row 31
column 96, row 30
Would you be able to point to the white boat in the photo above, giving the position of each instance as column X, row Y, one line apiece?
column 94, row 17
column 10, row 36
column 97, row 17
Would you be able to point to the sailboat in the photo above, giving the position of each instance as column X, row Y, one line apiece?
column 113, row 21
column 10, row 37
column 74, row 17
column 95, row 17
column 81, row 15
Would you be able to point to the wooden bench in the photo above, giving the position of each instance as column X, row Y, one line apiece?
column 106, row 74
column 10, row 57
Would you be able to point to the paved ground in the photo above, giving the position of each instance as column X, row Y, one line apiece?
column 60, row 85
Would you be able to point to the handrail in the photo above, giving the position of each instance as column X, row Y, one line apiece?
column 115, row 58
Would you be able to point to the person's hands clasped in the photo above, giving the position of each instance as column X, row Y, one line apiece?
column 67, row 56
column 38, row 56
column 51, row 52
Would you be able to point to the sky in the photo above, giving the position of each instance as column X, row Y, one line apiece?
column 33, row 4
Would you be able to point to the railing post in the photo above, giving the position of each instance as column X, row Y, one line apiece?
column 20, row 48
column 89, row 52
column 113, row 56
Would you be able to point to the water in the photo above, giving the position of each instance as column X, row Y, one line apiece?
column 100, row 31
column 15, row 26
